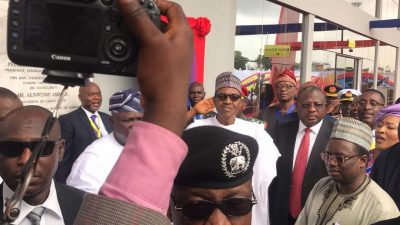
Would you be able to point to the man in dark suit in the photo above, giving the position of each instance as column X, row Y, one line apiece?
column 81, row 127
column 19, row 134
column 300, row 166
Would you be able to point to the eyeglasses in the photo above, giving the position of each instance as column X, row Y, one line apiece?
column 372, row 103
column 202, row 209
column 223, row 97
column 12, row 149
column 287, row 87
column 315, row 105
column 337, row 158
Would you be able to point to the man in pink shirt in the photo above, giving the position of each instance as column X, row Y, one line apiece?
column 145, row 171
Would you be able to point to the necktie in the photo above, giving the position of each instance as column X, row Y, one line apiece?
column 35, row 215
column 95, row 126
column 296, row 183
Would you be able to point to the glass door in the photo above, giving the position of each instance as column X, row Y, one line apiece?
column 347, row 71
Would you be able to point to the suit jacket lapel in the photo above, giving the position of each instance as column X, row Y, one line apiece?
column 70, row 201
column 85, row 121
column 291, row 141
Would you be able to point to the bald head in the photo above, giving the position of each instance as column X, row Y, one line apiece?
column 6, row 93
column 27, row 122
column 90, row 97
column 8, row 102
column 83, row 89
column 196, row 93
column 194, row 84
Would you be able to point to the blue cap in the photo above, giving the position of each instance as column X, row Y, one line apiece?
column 125, row 101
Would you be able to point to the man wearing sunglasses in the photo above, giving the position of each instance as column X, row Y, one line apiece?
column 228, row 102
column 348, row 195
column 8, row 102
column 213, row 184
column 20, row 132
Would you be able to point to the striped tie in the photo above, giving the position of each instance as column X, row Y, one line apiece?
column 94, row 117
column 96, row 126
column 35, row 215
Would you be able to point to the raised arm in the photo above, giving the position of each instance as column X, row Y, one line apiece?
column 146, row 169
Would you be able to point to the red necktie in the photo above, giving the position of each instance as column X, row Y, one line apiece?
column 298, row 175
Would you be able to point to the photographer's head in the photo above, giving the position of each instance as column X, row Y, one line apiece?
column 90, row 97
column 125, row 108
column 19, row 134
column 8, row 102
column 219, row 191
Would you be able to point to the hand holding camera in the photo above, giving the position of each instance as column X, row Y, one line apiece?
column 78, row 36
column 164, row 62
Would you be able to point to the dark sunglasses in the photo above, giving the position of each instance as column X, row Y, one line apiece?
column 202, row 209
column 14, row 149
column 223, row 97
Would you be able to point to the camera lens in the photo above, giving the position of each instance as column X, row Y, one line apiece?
column 118, row 48
column 107, row 2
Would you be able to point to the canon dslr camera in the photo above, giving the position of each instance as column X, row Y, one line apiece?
column 73, row 35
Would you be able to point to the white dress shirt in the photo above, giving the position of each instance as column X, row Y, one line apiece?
column 103, row 129
column 264, row 167
column 92, row 167
column 300, row 133
column 52, row 214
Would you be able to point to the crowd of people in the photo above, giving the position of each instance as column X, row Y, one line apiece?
column 313, row 156
column 328, row 143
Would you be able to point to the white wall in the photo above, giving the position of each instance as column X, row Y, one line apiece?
column 220, row 42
